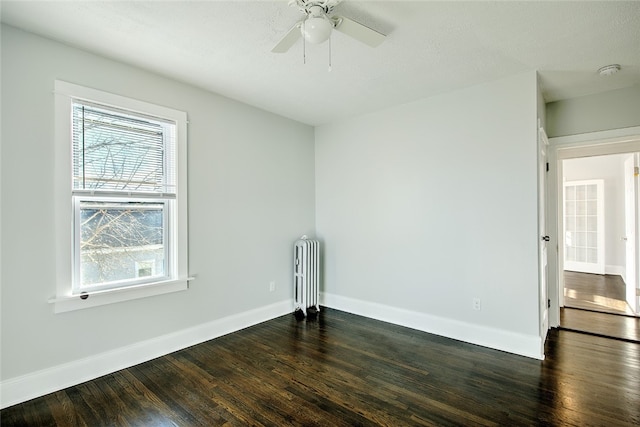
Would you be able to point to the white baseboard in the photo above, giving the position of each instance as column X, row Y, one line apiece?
column 511, row 342
column 616, row 270
column 29, row 386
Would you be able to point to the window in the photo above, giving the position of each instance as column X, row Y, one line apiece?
column 125, row 190
column 123, row 196
column 145, row 268
column 584, row 226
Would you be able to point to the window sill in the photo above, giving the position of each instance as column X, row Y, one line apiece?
column 66, row 303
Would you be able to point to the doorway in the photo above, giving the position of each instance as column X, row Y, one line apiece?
column 595, row 236
column 584, row 146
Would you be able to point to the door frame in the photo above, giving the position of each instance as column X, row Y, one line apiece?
column 543, row 233
column 631, row 229
column 616, row 141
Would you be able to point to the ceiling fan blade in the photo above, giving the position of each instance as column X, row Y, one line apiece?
column 288, row 40
column 359, row 32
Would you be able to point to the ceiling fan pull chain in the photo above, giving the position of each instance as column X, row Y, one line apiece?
column 329, row 54
column 304, row 48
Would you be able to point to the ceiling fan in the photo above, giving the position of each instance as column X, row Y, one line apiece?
column 318, row 23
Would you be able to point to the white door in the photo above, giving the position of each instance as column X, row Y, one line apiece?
column 630, row 215
column 543, row 143
column 584, row 226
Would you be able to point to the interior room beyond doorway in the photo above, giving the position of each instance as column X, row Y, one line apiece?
column 594, row 236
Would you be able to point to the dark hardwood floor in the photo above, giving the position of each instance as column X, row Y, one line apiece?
column 597, row 292
column 346, row 370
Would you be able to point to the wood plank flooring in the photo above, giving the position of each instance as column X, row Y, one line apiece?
column 598, row 292
column 605, row 324
column 346, row 370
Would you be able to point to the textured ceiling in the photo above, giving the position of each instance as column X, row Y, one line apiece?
column 431, row 48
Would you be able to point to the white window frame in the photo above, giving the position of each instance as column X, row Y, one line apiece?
column 167, row 211
column 177, row 279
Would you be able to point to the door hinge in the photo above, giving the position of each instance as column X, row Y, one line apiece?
column 635, row 171
column 549, row 303
column 547, row 166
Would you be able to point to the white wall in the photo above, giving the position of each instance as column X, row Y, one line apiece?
column 425, row 206
column 614, row 109
column 610, row 169
column 251, row 186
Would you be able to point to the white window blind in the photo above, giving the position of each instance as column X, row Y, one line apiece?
column 115, row 151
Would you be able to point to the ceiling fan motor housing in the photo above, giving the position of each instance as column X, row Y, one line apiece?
column 317, row 27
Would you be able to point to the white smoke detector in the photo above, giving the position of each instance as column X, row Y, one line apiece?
column 608, row 70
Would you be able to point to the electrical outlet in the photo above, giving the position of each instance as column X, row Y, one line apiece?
column 476, row 304
column 272, row 286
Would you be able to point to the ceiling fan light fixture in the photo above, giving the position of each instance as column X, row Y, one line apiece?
column 316, row 29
